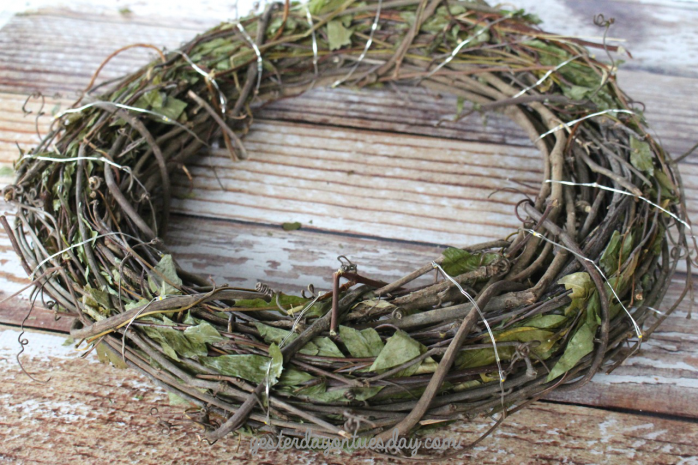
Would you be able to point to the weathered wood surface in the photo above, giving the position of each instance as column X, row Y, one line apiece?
column 91, row 412
column 323, row 159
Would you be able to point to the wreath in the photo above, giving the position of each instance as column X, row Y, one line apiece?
column 506, row 322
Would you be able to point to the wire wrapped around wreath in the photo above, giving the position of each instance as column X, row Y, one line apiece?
column 512, row 319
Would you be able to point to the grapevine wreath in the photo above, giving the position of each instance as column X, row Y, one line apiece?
column 565, row 296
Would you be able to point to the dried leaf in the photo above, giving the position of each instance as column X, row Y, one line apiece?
column 176, row 400
column 348, row 394
column 459, row 261
column 545, row 321
column 482, row 357
column 97, row 299
column 162, row 104
column 320, row 7
column 174, row 342
column 641, row 156
column 327, row 348
column 134, row 304
column 609, row 258
column 361, row 344
column 158, row 285
column 294, row 377
column 581, row 344
column 204, row 332
column 286, row 301
column 321, row 346
column 368, row 308
column 276, row 364
column 249, row 367
column 338, row 35
column 106, row 355
column 579, row 283
column 400, row 348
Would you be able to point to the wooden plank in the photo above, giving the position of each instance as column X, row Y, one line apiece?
column 90, row 412
column 53, row 36
column 660, row 34
column 293, row 161
column 361, row 182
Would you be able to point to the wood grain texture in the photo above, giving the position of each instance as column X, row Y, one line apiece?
column 326, row 165
column 90, row 412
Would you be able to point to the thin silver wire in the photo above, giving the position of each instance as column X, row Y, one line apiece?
column 502, row 376
column 465, row 42
column 126, row 107
column 126, row 169
column 208, row 76
column 72, row 159
column 546, row 76
column 573, row 122
column 312, row 29
column 638, row 331
column 267, row 381
column 618, row 191
column 256, row 51
column 369, row 42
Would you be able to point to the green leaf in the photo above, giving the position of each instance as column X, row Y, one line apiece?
column 135, row 304
column 276, row 364
column 327, row 348
column 481, row 357
column 367, row 308
column 176, row 400
column 609, row 258
column 581, row 344
column 271, row 334
column 320, row 7
column 96, row 298
column 361, row 344
column 190, row 320
column 658, row 242
column 579, row 283
column 249, row 367
column 288, row 302
column 340, row 395
column 338, row 35
column 400, row 348
column 158, row 285
column 528, row 334
column 460, row 103
column 459, row 261
column 577, row 92
column 252, row 303
column 291, row 226
column 641, row 156
column 174, row 342
column 668, row 187
column 627, row 247
column 161, row 103
column 311, row 391
column 294, row 377
column 202, row 333
column 321, row 346
column 545, row 321
column 106, row 355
